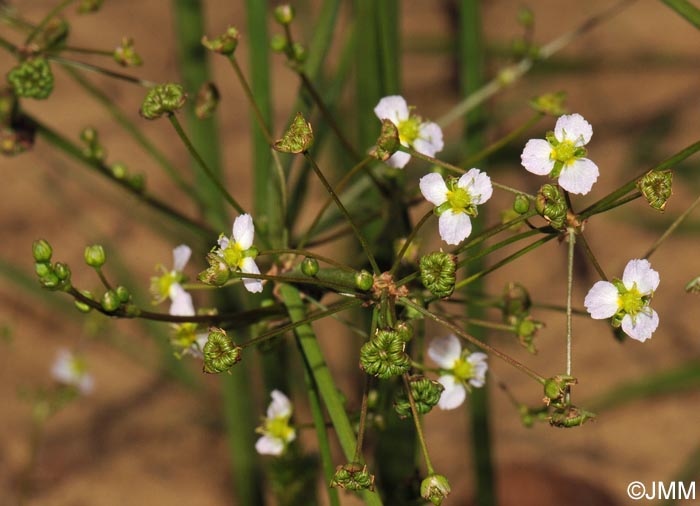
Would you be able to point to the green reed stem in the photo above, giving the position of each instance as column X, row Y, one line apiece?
column 672, row 227
column 476, row 342
column 326, row 385
column 419, row 428
column 331, row 192
column 207, row 170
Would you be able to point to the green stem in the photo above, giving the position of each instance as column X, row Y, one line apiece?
column 479, row 344
column 357, row 458
column 99, row 70
column 338, row 188
column 345, row 212
column 85, row 50
column 569, row 290
column 419, row 429
column 503, row 141
column 629, row 186
column 326, row 385
column 591, row 256
column 259, row 117
column 408, row 241
column 495, row 247
column 505, row 261
column 207, row 170
column 51, row 14
column 307, row 253
column 672, row 227
column 71, row 149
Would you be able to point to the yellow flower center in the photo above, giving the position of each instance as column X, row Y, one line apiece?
column 463, row 370
column 279, row 428
column 233, row 255
column 408, row 130
column 564, row 152
column 459, row 199
column 631, row 301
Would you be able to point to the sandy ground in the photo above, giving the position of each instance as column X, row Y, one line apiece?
column 140, row 439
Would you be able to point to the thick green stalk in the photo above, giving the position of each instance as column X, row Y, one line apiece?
column 687, row 10
column 322, row 375
column 194, row 70
column 471, row 58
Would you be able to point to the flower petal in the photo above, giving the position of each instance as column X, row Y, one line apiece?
column 535, row 157
column 223, row 242
column 640, row 272
column 280, row 407
column 433, row 188
column 181, row 301
column 454, row 227
column 480, row 366
column 61, row 370
column 574, row 128
column 429, row 139
column 445, row 351
column 393, row 108
column 579, row 176
column 181, row 255
column 398, row 160
column 252, row 285
column 642, row 326
column 454, row 394
column 268, row 445
column 243, row 231
column 86, row 384
column 477, row 184
column 601, row 300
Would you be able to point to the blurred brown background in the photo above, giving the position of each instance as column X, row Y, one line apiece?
column 141, row 439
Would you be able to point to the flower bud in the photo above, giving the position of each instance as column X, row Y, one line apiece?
column 298, row 52
column 364, row 280
column 32, row 79
column 207, row 100
column 553, row 104
column 278, row 43
column 352, row 476
column 220, row 354
column 426, row 394
column 284, row 14
column 125, row 54
column 309, row 266
column 218, row 272
column 53, row 35
column 526, row 17
column 387, row 143
column 50, row 280
column 110, row 301
column 656, row 187
column 516, row 302
column 163, row 99
column 526, row 329
column 438, row 273
column 556, row 387
column 41, row 250
column 95, row 256
column 551, row 205
column 435, row 488
column 62, row 271
column 82, row 306
column 383, row 355
column 123, row 294
column 89, row 6
column 298, row 137
column 42, row 268
column 521, row 204
column 225, row 43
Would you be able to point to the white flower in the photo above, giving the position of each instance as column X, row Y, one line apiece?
column 626, row 301
column 456, row 201
column 160, row 285
column 71, row 370
column 563, row 155
column 423, row 136
column 181, row 301
column 276, row 432
column 185, row 337
column 238, row 251
column 463, row 370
